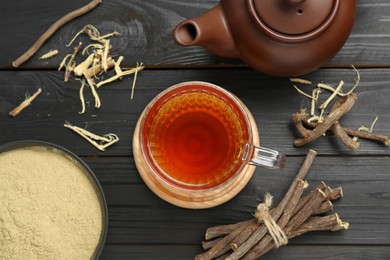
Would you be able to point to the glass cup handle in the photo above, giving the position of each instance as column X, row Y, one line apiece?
column 267, row 158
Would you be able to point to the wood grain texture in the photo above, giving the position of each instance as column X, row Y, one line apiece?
column 146, row 28
column 271, row 100
column 133, row 207
column 287, row 252
column 143, row 226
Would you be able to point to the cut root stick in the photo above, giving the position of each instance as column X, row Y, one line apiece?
column 25, row 103
column 52, row 29
column 245, row 236
column 295, row 215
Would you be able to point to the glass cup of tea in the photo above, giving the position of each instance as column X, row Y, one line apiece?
column 196, row 145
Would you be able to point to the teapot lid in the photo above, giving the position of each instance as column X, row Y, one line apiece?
column 293, row 20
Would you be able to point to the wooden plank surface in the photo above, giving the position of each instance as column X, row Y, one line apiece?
column 141, row 225
column 146, row 28
column 289, row 252
column 365, row 203
column 271, row 100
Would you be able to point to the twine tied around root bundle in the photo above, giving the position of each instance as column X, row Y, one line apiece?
column 262, row 215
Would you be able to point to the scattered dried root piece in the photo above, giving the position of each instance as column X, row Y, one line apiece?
column 103, row 37
column 96, row 63
column 91, row 84
column 105, row 55
column 384, row 139
column 70, row 66
column 88, row 29
column 303, row 93
column 305, row 128
column 49, row 54
column 299, row 80
column 93, row 34
column 81, row 93
column 79, row 70
column 316, row 93
column 96, row 69
column 25, row 103
column 346, row 104
column 340, row 93
column 312, row 128
column 68, row 17
column 96, row 46
column 100, row 142
column 337, row 91
column 117, row 68
column 122, row 73
column 63, row 62
column 138, row 68
column 366, row 129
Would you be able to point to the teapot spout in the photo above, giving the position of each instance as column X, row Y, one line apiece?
column 210, row 31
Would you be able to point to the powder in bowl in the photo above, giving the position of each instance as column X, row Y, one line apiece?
column 49, row 207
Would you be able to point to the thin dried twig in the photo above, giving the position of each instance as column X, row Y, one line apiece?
column 52, row 29
column 69, row 67
column 123, row 73
column 299, row 80
column 88, row 29
column 138, row 68
column 303, row 93
column 63, row 62
column 101, row 38
column 340, row 93
column 91, row 84
column 81, row 93
column 326, row 103
column 93, row 45
column 105, row 55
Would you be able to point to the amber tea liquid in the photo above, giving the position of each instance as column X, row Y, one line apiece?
column 196, row 138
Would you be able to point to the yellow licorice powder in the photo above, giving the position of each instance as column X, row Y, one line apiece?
column 49, row 208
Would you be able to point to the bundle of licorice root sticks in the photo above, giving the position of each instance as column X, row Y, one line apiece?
column 270, row 228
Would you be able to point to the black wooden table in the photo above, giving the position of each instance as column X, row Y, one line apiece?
column 141, row 225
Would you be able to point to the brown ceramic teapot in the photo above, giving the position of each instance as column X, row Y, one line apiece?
column 277, row 37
